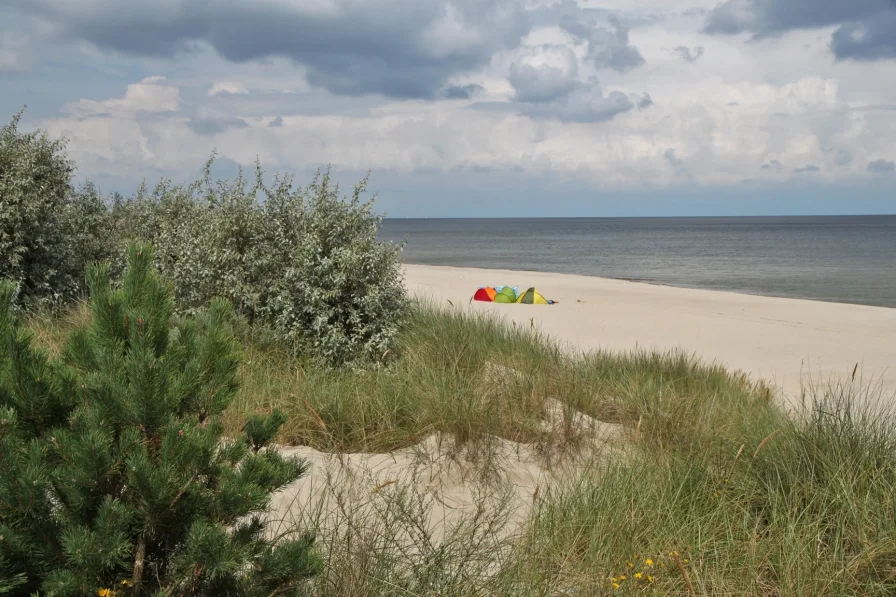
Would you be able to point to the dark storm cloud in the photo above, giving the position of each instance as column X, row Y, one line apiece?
column 882, row 166
column 213, row 126
column 400, row 48
column 689, row 54
column 807, row 168
column 866, row 29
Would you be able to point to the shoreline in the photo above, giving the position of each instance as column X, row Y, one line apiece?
column 655, row 283
column 788, row 342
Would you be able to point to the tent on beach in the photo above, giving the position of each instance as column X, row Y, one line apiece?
column 486, row 294
column 509, row 295
column 533, row 297
column 506, row 295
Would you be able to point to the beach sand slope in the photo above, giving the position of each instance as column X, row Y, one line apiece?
column 788, row 342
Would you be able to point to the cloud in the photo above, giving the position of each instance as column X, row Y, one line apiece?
column 606, row 35
column 277, row 122
column 688, row 54
column 865, row 29
column 585, row 104
column 399, row 48
column 882, row 166
column 773, row 165
column 228, row 88
column 462, row 91
column 215, row 125
column 674, row 161
column 152, row 94
column 807, row 168
column 544, row 73
column 841, row 156
column 696, row 11
column 15, row 54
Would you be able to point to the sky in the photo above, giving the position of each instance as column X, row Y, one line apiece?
column 476, row 108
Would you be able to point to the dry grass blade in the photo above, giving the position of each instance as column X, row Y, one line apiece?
column 764, row 441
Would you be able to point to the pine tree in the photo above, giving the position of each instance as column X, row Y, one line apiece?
column 115, row 475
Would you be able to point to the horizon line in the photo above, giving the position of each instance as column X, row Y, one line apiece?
column 869, row 215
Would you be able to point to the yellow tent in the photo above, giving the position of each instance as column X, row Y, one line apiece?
column 532, row 297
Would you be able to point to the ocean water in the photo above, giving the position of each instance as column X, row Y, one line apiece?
column 850, row 259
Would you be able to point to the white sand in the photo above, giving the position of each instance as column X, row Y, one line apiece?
column 787, row 342
column 438, row 488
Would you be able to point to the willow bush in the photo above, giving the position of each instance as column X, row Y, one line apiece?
column 301, row 261
column 49, row 230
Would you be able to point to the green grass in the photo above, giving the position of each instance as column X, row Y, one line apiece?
column 755, row 501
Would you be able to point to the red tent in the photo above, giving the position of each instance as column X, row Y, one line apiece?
column 486, row 294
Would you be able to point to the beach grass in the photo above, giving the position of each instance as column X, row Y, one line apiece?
column 720, row 491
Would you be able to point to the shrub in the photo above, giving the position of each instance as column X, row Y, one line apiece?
column 48, row 231
column 116, row 477
column 301, row 261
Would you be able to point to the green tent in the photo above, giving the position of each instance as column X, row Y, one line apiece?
column 507, row 295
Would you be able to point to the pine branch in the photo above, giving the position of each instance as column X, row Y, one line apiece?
column 183, row 490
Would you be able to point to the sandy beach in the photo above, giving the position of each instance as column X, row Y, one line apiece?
column 784, row 341
column 787, row 342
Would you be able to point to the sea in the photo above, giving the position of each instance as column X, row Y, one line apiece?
column 848, row 259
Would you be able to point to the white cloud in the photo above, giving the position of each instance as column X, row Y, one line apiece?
column 710, row 141
column 152, row 94
column 544, row 73
column 228, row 88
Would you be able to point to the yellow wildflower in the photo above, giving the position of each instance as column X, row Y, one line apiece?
column 638, row 575
column 649, row 578
column 615, row 585
column 125, row 582
column 613, row 579
column 104, row 593
column 630, row 565
column 649, row 562
column 622, row 577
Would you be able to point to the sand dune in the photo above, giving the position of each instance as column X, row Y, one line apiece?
column 785, row 341
column 781, row 340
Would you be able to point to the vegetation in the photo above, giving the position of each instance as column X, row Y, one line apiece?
column 299, row 261
column 302, row 262
column 49, row 231
column 116, row 478
column 720, row 489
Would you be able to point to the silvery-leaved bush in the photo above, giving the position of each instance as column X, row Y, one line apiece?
column 302, row 261
column 49, row 231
